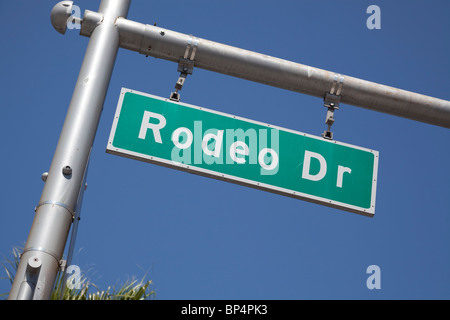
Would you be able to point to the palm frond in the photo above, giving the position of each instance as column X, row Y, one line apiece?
column 134, row 290
column 10, row 266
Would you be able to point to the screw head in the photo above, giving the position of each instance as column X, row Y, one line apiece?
column 67, row 170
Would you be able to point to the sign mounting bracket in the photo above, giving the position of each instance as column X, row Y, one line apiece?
column 185, row 66
column 331, row 101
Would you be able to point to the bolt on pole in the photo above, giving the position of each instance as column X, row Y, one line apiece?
column 55, row 211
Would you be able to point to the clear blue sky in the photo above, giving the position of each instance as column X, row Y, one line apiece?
column 199, row 238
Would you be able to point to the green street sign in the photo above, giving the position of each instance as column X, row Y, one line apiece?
column 245, row 152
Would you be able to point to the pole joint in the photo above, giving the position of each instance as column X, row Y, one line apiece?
column 57, row 203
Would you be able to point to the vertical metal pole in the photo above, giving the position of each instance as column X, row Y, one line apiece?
column 54, row 213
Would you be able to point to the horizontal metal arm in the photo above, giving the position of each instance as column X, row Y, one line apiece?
column 170, row 45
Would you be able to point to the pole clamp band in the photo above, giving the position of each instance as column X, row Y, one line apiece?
column 337, row 84
column 191, row 44
column 56, row 203
column 40, row 249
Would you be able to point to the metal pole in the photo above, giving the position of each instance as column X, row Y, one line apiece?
column 170, row 45
column 55, row 211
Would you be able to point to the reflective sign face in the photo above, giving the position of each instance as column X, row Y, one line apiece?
column 245, row 152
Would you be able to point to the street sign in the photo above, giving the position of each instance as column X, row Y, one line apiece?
column 245, row 152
